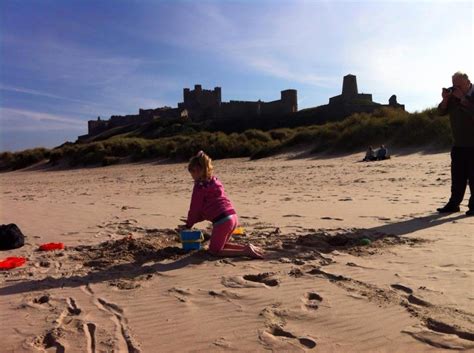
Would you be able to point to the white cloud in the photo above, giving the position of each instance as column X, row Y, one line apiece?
column 58, row 61
column 12, row 119
column 121, row 84
column 276, row 68
column 47, row 94
column 406, row 48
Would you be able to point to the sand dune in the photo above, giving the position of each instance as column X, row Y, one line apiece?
column 357, row 260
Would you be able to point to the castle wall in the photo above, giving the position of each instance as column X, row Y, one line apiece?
column 365, row 97
column 340, row 111
column 201, row 104
column 148, row 112
column 359, row 98
column 162, row 113
column 336, row 100
column 120, row 120
column 273, row 108
column 234, row 109
column 95, row 127
column 287, row 104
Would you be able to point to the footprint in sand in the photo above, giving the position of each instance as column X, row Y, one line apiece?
column 89, row 330
column 418, row 301
column 124, row 284
column 239, row 282
column 222, row 342
column 383, row 218
column 312, row 300
column 265, row 278
column 128, row 343
column 331, row 218
column 42, row 299
column 275, row 337
column 180, row 293
column 402, row 288
column 224, row 262
column 278, row 332
column 296, row 272
column 251, row 281
column 99, row 338
column 72, row 307
column 412, row 299
column 69, row 327
column 50, row 340
column 434, row 332
column 223, row 294
column 441, row 335
column 442, row 327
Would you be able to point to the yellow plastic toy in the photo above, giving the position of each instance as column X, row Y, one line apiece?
column 239, row 231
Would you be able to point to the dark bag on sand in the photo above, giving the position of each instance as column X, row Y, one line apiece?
column 11, row 237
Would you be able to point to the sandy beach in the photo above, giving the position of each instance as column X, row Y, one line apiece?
column 122, row 284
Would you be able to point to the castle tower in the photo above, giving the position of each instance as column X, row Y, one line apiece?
column 289, row 98
column 393, row 100
column 349, row 86
column 217, row 93
column 185, row 95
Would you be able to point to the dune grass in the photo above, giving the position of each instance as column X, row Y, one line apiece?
column 392, row 127
column 23, row 159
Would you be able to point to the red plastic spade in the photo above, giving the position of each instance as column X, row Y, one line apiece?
column 51, row 246
column 12, row 262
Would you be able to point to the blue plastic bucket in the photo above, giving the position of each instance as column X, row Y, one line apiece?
column 191, row 239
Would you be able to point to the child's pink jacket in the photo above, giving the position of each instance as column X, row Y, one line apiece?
column 209, row 202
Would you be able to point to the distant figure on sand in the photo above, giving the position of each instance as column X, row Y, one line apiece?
column 209, row 202
column 377, row 155
column 369, row 155
column 382, row 153
column 458, row 102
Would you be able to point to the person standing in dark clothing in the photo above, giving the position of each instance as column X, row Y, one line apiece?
column 458, row 102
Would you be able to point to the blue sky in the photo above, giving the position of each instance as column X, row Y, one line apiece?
column 65, row 62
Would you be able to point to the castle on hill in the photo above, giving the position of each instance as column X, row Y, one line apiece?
column 350, row 101
column 203, row 105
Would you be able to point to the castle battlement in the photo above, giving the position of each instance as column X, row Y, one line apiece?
column 205, row 104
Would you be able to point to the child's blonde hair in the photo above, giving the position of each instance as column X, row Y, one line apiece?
column 202, row 161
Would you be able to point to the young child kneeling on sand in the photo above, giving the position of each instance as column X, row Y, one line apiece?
column 209, row 202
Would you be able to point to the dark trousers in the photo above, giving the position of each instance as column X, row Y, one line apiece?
column 462, row 171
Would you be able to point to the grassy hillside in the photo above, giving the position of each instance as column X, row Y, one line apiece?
column 180, row 141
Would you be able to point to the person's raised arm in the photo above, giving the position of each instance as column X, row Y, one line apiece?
column 194, row 214
column 443, row 106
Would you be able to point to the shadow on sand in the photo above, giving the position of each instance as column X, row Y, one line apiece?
column 418, row 223
column 315, row 243
column 125, row 271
